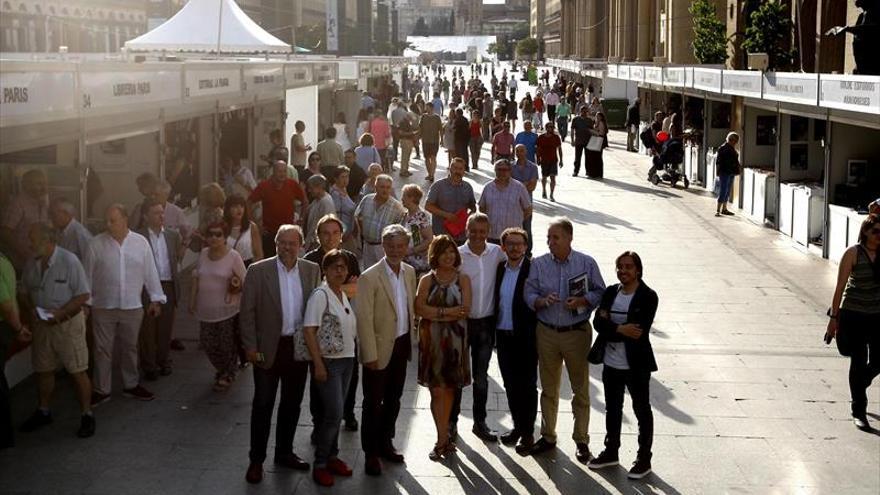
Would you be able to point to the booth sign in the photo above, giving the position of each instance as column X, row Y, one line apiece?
column 258, row 79
column 673, row 76
column 791, row 87
column 211, row 82
column 637, row 73
column 36, row 94
column 654, row 75
column 102, row 89
column 612, row 70
column 846, row 92
column 707, row 79
column 742, row 83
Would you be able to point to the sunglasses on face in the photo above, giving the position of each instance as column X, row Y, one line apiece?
column 215, row 233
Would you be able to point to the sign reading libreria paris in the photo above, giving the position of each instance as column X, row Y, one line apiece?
column 119, row 88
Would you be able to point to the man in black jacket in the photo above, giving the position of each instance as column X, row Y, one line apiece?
column 462, row 134
column 515, row 337
column 633, row 118
column 727, row 164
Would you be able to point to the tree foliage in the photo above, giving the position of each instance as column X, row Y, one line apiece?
column 710, row 43
column 770, row 32
column 527, row 47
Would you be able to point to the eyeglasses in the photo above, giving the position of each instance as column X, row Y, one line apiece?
column 215, row 233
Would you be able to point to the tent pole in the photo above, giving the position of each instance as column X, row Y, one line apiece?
column 219, row 26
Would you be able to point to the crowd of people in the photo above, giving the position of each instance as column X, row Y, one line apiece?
column 318, row 273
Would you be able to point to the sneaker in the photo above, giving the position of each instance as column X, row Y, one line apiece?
column 37, row 420
column 139, row 393
column 86, row 426
column 605, row 459
column 99, row 398
column 640, row 469
column 717, row 213
column 338, row 467
column 322, row 476
column 582, row 453
column 860, row 421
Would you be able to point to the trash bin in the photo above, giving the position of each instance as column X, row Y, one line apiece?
column 615, row 112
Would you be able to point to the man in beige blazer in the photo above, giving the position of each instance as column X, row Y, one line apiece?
column 385, row 322
column 274, row 296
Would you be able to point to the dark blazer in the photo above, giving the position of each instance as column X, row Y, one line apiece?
column 173, row 242
column 524, row 319
column 261, row 314
column 641, row 311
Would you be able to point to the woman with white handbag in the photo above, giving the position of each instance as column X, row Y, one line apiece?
column 329, row 330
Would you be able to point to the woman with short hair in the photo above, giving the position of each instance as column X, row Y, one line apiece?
column 328, row 306
column 418, row 223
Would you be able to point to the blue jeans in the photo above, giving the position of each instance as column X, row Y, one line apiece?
column 725, row 184
column 331, row 393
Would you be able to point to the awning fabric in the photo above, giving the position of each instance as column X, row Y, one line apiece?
column 209, row 26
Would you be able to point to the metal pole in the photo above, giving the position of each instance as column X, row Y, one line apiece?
column 219, row 25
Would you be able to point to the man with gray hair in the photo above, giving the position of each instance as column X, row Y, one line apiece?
column 505, row 201
column 375, row 212
column 57, row 288
column 273, row 304
column 563, row 288
column 120, row 265
column 73, row 236
column 322, row 204
column 385, row 295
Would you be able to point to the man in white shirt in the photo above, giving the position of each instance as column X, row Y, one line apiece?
column 156, row 332
column 120, row 265
column 273, row 303
column 511, row 85
column 72, row 235
column 479, row 261
column 384, row 309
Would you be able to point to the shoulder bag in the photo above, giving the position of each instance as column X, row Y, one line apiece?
column 331, row 339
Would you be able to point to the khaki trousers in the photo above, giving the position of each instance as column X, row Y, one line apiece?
column 554, row 350
column 406, row 148
column 111, row 326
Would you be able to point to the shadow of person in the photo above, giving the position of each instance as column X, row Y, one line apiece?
column 583, row 216
column 616, row 476
column 532, row 486
column 568, row 477
column 661, row 401
column 472, row 481
column 626, row 186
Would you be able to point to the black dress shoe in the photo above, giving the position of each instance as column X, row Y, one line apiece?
column 484, row 433
column 351, row 424
column 373, row 466
column 254, row 473
column 37, row 420
column 510, row 438
column 583, row 453
column 292, row 461
column 86, row 426
column 542, row 446
column 525, row 445
column 391, row 454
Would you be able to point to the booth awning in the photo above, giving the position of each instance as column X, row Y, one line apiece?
column 218, row 26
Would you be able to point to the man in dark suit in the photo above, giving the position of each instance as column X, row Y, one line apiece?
column 273, row 304
column 515, row 337
column 154, row 340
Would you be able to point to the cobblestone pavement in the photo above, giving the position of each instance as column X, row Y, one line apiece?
column 747, row 399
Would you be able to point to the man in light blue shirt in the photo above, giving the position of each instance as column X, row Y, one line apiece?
column 563, row 287
column 529, row 139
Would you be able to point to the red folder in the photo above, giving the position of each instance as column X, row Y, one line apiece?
column 456, row 226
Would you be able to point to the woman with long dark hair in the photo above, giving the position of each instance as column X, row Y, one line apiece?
column 244, row 234
column 854, row 316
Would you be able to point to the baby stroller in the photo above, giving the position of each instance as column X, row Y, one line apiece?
column 668, row 162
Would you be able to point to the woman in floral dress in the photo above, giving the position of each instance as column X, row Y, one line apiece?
column 443, row 302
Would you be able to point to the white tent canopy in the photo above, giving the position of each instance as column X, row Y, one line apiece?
column 208, row 26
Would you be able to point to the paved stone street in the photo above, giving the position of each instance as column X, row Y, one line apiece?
column 747, row 399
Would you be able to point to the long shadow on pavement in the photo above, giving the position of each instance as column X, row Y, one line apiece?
column 626, row 186
column 651, row 484
column 583, row 216
column 662, row 402
column 567, row 476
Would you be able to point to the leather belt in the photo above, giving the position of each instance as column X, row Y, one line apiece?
column 566, row 328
